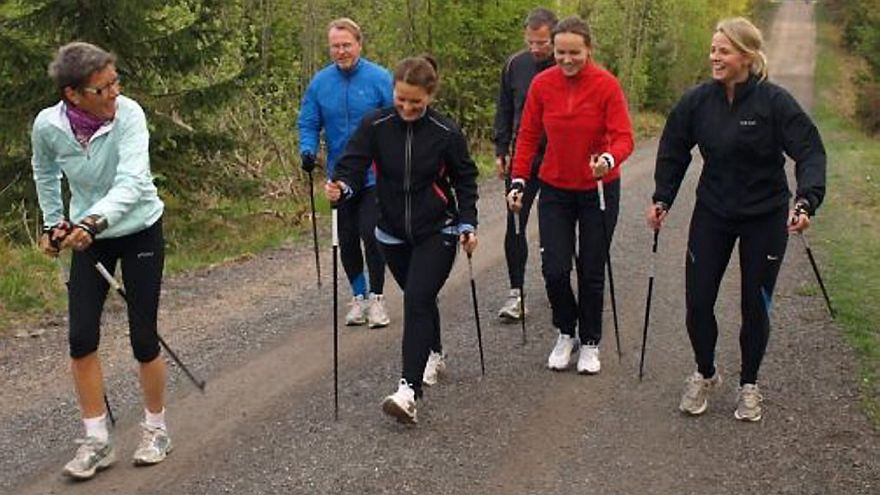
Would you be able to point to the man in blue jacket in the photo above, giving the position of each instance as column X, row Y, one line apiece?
column 337, row 98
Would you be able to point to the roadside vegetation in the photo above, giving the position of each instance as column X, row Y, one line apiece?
column 847, row 230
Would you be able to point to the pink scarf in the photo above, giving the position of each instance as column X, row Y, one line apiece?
column 84, row 124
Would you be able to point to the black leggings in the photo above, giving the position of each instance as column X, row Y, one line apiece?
column 566, row 217
column 421, row 271
column 762, row 242
column 357, row 222
column 516, row 249
column 143, row 258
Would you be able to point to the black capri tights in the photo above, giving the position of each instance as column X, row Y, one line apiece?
column 143, row 257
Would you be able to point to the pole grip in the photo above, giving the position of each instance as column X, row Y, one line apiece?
column 335, row 227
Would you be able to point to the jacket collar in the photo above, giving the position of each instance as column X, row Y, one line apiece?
column 352, row 71
column 740, row 90
column 58, row 118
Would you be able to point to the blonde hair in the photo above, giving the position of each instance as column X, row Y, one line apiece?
column 346, row 24
column 748, row 40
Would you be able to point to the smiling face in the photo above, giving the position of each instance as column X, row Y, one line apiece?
column 344, row 47
column 571, row 52
column 729, row 65
column 98, row 95
column 410, row 101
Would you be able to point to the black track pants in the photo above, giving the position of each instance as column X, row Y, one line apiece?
column 142, row 256
column 762, row 242
column 357, row 222
column 516, row 249
column 421, row 271
column 567, row 217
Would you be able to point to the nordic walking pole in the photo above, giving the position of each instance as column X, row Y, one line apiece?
column 601, row 190
column 522, row 298
column 476, row 313
column 648, row 303
column 335, row 314
column 816, row 271
column 200, row 384
column 56, row 243
column 314, row 229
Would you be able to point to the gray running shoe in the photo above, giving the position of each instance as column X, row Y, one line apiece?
column 154, row 447
column 377, row 315
column 748, row 403
column 511, row 310
column 694, row 400
column 357, row 312
column 91, row 456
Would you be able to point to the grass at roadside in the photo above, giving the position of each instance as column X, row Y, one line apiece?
column 848, row 228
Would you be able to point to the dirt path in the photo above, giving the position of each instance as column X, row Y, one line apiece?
column 259, row 331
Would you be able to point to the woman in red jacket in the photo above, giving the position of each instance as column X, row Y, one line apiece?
column 581, row 109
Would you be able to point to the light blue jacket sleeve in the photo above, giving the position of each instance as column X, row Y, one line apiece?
column 132, row 173
column 310, row 122
column 47, row 177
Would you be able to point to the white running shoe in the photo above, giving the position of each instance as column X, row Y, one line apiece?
column 435, row 367
column 377, row 315
column 695, row 398
column 401, row 404
column 560, row 358
column 154, row 447
column 748, row 403
column 91, row 456
column 357, row 312
column 511, row 311
column 588, row 361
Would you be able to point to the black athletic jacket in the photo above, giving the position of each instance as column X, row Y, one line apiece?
column 425, row 178
column 516, row 77
column 742, row 145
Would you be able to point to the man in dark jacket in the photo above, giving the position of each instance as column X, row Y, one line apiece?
column 516, row 77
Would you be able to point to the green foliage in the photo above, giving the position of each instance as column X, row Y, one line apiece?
column 847, row 229
column 861, row 33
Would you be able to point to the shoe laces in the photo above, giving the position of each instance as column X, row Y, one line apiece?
column 750, row 396
column 88, row 447
column 696, row 385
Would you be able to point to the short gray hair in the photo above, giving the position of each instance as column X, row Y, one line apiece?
column 540, row 17
column 75, row 62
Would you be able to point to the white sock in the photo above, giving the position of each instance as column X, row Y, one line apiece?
column 97, row 427
column 155, row 420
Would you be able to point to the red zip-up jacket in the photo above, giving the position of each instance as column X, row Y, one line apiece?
column 582, row 115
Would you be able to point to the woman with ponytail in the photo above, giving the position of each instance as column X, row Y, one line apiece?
column 744, row 126
column 426, row 190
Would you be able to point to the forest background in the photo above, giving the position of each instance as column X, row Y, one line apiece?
column 221, row 81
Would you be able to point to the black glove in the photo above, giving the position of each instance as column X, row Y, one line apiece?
column 517, row 186
column 308, row 161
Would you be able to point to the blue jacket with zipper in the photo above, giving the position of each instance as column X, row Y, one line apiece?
column 336, row 101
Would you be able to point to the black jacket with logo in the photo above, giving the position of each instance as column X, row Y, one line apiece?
column 742, row 144
column 425, row 179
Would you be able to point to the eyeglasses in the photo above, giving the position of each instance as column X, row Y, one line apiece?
column 99, row 91
column 342, row 47
column 538, row 43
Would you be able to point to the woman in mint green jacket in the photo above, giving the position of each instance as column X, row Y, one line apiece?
column 98, row 140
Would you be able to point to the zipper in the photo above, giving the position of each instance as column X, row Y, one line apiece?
column 407, row 183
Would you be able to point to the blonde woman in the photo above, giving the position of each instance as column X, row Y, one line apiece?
column 744, row 126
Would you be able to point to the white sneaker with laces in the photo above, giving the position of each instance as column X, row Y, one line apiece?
column 588, row 361
column 377, row 315
column 92, row 456
column 560, row 357
column 154, row 447
column 435, row 367
column 401, row 404
column 357, row 312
